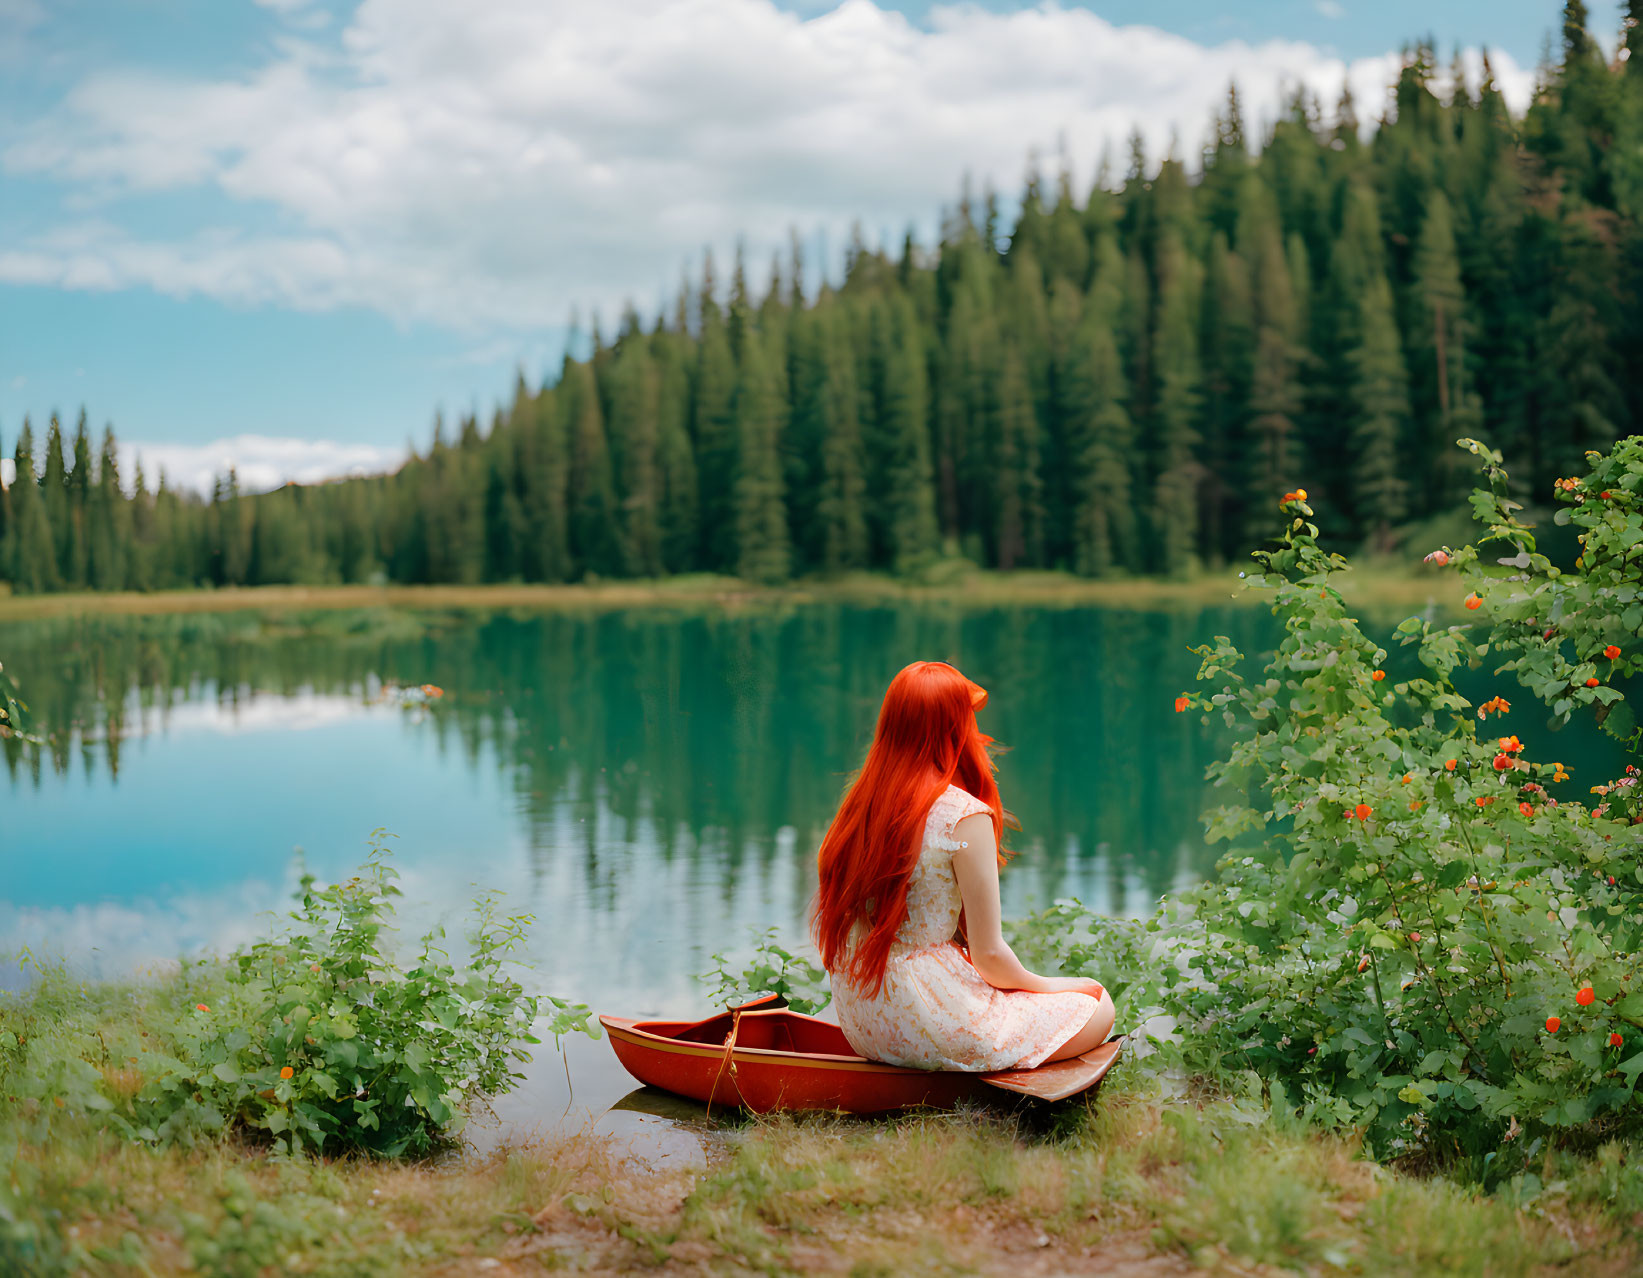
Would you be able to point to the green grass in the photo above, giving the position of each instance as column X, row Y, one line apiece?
column 955, row 582
column 1147, row 1184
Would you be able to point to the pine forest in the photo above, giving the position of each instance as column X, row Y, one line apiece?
column 1122, row 382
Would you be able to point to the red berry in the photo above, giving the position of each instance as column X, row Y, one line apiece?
column 1586, row 997
column 1553, row 1025
column 1615, row 1040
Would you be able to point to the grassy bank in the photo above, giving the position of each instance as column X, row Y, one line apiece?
column 1389, row 587
column 1135, row 1184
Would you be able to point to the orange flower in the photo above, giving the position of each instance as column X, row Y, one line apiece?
column 1615, row 1040
column 1378, row 675
column 1415, row 937
column 287, row 1072
column 1511, row 745
column 1362, row 811
column 1558, row 773
column 1591, row 683
column 1407, row 778
column 1528, row 809
column 1363, row 962
column 1605, row 494
column 430, row 690
column 1473, row 602
column 1611, row 652
column 1553, row 1025
column 1180, row 704
column 1438, row 557
column 201, row 1007
column 1415, row 805
column 1451, row 765
column 1498, row 705
column 1301, row 493
column 1502, row 762
column 1484, row 801
column 1586, row 997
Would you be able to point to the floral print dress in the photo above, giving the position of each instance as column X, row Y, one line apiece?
column 935, row 1010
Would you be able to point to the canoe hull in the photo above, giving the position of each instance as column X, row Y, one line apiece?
column 781, row 1060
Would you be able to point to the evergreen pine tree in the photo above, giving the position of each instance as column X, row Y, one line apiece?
column 760, row 525
column 30, row 552
column 1380, row 387
column 1177, row 401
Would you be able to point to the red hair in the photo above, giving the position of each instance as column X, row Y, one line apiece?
column 926, row 740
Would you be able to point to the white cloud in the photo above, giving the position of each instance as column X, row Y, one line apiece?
column 261, row 462
column 8, row 472
column 1329, row 8
column 493, row 163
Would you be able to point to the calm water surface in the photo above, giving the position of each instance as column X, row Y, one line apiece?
column 650, row 784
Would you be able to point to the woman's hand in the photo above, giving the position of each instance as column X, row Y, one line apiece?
column 1074, row 985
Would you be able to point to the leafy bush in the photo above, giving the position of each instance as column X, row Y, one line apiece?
column 1420, row 933
column 772, row 969
column 317, row 1038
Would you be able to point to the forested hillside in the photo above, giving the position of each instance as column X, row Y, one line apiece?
column 1124, row 381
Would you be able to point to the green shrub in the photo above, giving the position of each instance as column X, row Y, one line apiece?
column 772, row 969
column 317, row 1038
column 1421, row 933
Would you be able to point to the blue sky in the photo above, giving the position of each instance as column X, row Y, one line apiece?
column 318, row 220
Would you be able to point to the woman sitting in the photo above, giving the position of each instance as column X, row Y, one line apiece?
column 907, row 913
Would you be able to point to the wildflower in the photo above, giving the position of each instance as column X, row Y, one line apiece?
column 1499, row 705
column 287, row 1072
column 1511, row 745
column 313, row 967
column 1415, row 937
column 1502, row 762
column 201, row 1007
column 1605, row 494
column 1484, row 800
column 1363, row 963
column 1611, row 652
column 1438, row 557
column 1611, row 880
column 1528, row 809
column 1407, row 778
column 1615, row 1040
column 1415, row 805
column 1591, row 683
column 1180, row 704
column 1553, row 1025
column 1587, row 996
column 1473, row 602
column 1558, row 773
column 1378, row 675
column 1362, row 811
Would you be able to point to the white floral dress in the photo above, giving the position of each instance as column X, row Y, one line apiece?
column 935, row 1010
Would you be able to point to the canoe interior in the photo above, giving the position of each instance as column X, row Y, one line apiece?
column 775, row 1030
column 782, row 1059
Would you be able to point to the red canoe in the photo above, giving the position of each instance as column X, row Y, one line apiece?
column 765, row 1057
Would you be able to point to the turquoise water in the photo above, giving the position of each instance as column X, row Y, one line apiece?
column 650, row 784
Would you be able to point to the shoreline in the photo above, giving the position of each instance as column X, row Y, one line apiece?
column 1375, row 587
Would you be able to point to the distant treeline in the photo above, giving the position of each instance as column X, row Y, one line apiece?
column 1120, row 385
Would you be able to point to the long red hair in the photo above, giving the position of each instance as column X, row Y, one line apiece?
column 926, row 739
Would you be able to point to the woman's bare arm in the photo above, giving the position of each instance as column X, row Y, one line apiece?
column 976, row 867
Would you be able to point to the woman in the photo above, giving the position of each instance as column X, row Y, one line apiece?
column 907, row 912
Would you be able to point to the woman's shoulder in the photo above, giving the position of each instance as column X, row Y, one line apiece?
column 952, row 805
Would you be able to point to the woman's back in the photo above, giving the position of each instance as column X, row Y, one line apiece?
column 934, row 1010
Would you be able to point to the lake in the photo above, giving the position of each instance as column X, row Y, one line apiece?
column 650, row 784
